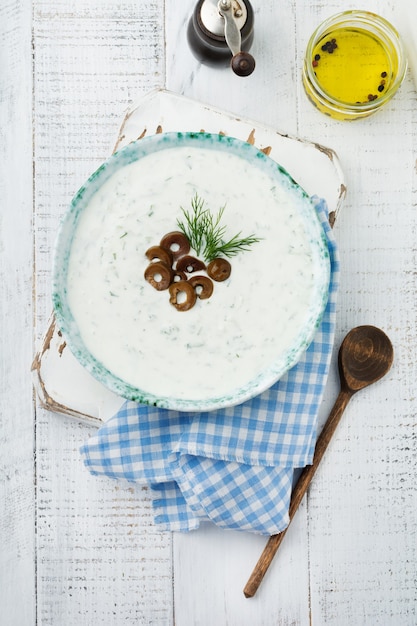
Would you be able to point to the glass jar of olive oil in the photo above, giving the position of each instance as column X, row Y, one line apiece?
column 354, row 64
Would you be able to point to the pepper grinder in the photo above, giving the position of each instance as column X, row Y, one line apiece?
column 220, row 28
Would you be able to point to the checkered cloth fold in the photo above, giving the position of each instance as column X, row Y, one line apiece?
column 233, row 467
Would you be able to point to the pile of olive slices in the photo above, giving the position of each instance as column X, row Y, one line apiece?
column 172, row 267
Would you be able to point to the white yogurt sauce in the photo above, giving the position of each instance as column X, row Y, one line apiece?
column 222, row 342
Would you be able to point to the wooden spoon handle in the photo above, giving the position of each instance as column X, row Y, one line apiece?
column 299, row 491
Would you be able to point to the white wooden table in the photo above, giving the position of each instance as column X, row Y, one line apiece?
column 81, row 550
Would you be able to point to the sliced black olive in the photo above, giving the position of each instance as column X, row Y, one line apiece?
column 179, row 276
column 176, row 242
column 189, row 264
column 182, row 302
column 219, row 269
column 203, row 286
column 159, row 253
column 159, row 275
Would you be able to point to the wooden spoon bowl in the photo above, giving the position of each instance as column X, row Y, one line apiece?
column 365, row 356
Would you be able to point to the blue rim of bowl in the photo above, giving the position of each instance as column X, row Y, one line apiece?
column 133, row 152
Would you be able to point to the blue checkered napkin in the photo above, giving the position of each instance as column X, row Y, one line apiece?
column 233, row 467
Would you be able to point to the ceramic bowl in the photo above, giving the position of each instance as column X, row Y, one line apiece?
column 257, row 323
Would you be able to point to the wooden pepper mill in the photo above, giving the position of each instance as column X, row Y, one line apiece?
column 220, row 28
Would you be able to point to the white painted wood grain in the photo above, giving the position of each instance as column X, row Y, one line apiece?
column 363, row 505
column 350, row 556
column 211, row 568
column 17, row 512
column 100, row 560
column 360, row 521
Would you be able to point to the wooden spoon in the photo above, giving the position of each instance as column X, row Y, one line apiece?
column 365, row 356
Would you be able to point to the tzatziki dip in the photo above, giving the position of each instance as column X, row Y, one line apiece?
column 252, row 320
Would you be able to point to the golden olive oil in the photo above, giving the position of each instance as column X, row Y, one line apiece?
column 352, row 65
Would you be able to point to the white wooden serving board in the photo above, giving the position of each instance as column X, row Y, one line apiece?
column 62, row 384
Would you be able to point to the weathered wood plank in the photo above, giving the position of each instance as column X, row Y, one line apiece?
column 356, row 533
column 99, row 557
column 211, row 567
column 363, row 504
column 17, row 527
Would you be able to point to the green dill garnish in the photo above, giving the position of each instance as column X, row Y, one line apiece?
column 193, row 227
column 206, row 234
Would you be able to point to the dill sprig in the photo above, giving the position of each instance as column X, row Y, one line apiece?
column 206, row 234
column 193, row 227
column 232, row 247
